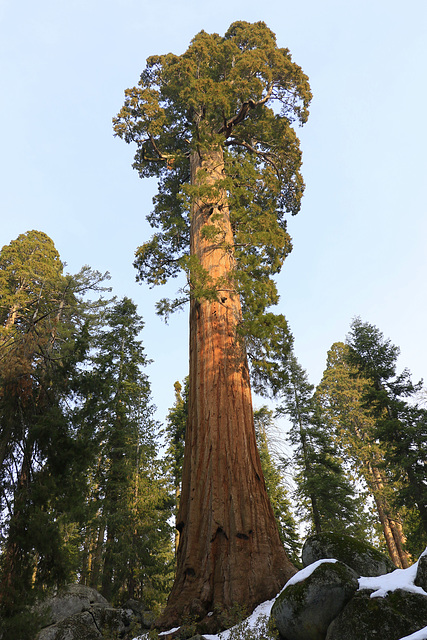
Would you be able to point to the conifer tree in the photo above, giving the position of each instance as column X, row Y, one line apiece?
column 129, row 499
column 341, row 393
column 215, row 126
column 43, row 339
column 324, row 493
column 176, row 423
column 399, row 423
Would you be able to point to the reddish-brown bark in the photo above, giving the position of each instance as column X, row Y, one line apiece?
column 229, row 548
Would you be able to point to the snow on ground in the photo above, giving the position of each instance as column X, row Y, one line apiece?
column 397, row 579
column 304, row 573
column 262, row 609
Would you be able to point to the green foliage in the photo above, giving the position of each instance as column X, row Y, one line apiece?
column 82, row 490
column 128, row 498
column 43, row 341
column 23, row 624
column 324, row 493
column 241, row 94
column 176, row 422
column 341, row 394
column 400, row 425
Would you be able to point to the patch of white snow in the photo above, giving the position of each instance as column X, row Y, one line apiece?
column 262, row 609
column 397, row 579
column 165, row 633
column 307, row 571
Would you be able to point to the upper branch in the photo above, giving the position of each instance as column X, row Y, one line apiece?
column 229, row 124
column 267, row 156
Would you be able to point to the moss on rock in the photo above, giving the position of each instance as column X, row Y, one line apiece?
column 360, row 556
column 398, row 614
column 305, row 609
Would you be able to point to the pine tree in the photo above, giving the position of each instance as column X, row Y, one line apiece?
column 207, row 124
column 176, row 423
column 341, row 392
column 324, row 493
column 400, row 424
column 43, row 339
column 128, row 540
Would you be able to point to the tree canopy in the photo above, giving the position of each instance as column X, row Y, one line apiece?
column 241, row 94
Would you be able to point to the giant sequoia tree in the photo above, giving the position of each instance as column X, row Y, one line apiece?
column 215, row 126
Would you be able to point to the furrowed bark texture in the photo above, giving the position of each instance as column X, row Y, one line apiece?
column 229, row 548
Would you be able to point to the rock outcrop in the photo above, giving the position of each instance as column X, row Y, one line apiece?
column 81, row 613
column 421, row 577
column 364, row 559
column 305, row 609
column 330, row 600
column 396, row 615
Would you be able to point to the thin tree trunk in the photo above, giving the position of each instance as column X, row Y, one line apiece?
column 14, row 570
column 393, row 535
column 229, row 550
column 392, row 529
column 400, row 539
column 95, row 559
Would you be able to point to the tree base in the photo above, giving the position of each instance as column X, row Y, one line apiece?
column 198, row 618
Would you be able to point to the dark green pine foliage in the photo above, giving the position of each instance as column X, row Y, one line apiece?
column 325, row 496
column 129, row 499
column 176, row 422
column 400, row 423
column 44, row 330
column 276, row 484
column 240, row 94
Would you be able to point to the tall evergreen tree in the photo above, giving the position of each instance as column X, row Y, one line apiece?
column 176, row 423
column 340, row 393
column 400, row 424
column 43, row 338
column 324, row 493
column 130, row 501
column 215, row 126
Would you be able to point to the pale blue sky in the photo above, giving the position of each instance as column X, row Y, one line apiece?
column 359, row 240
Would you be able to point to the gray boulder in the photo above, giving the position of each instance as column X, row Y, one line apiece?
column 72, row 599
column 81, row 613
column 80, row 626
column 305, row 609
column 421, row 577
column 360, row 556
column 99, row 622
column 398, row 614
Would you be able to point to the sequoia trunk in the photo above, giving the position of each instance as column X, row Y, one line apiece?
column 229, row 549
